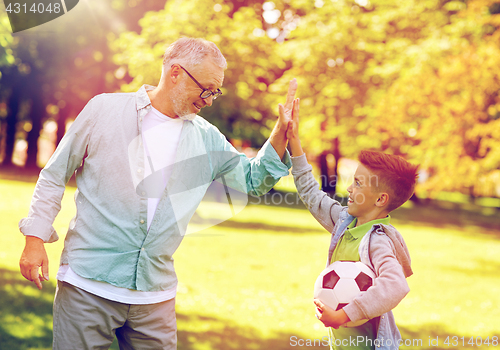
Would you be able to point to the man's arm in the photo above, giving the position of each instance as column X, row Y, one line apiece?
column 46, row 201
column 258, row 175
column 278, row 136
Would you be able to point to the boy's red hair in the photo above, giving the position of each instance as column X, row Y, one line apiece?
column 395, row 175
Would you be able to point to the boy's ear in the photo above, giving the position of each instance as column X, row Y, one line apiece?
column 382, row 200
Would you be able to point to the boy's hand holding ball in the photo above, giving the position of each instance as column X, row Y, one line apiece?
column 329, row 316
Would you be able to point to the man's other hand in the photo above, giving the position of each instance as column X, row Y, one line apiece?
column 33, row 257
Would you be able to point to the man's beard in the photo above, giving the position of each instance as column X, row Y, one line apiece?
column 178, row 101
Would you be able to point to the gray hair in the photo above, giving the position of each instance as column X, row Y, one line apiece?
column 190, row 52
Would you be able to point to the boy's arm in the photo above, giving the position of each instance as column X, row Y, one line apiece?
column 389, row 288
column 325, row 209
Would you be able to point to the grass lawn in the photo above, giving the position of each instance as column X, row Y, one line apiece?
column 247, row 283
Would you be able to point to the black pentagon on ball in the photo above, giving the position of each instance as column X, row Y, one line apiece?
column 340, row 306
column 364, row 281
column 330, row 280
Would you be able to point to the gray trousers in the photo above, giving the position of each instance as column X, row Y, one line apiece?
column 84, row 321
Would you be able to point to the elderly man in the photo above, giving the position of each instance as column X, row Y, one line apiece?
column 143, row 163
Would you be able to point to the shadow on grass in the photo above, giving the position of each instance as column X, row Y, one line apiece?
column 26, row 323
column 266, row 228
column 436, row 213
column 289, row 200
column 435, row 336
column 462, row 218
column 221, row 335
column 25, row 313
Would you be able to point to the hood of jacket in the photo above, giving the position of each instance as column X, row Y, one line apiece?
column 402, row 253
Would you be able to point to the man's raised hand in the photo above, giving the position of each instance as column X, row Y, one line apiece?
column 285, row 112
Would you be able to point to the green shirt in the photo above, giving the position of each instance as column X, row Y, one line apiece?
column 348, row 250
column 348, row 246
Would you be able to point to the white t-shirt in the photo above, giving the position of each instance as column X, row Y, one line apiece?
column 160, row 135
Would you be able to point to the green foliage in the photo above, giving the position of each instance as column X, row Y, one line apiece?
column 253, row 63
column 372, row 74
column 446, row 114
column 415, row 78
column 6, row 41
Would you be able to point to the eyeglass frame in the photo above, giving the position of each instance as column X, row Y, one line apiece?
column 215, row 94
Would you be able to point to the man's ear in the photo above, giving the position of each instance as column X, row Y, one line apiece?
column 174, row 73
column 382, row 200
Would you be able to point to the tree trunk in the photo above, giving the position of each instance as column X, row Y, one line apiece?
column 472, row 195
column 414, row 198
column 37, row 113
column 61, row 122
column 329, row 175
column 10, row 135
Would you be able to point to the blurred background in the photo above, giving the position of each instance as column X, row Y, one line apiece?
column 419, row 79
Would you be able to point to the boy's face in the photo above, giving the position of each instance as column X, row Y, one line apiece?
column 363, row 194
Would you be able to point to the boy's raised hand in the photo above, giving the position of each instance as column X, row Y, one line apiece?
column 292, row 132
column 329, row 316
column 293, row 125
column 278, row 135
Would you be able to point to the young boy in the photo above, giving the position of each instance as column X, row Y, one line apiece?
column 362, row 232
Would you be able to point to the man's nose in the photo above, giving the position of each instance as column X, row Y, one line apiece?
column 209, row 100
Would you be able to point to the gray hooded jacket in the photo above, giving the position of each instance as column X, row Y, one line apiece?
column 382, row 249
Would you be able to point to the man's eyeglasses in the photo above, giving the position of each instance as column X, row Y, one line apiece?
column 206, row 93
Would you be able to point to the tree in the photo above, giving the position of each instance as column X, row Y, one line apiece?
column 61, row 65
column 347, row 54
column 8, row 96
column 447, row 114
column 253, row 61
column 361, row 66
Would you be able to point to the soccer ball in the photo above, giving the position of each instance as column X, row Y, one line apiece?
column 341, row 282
